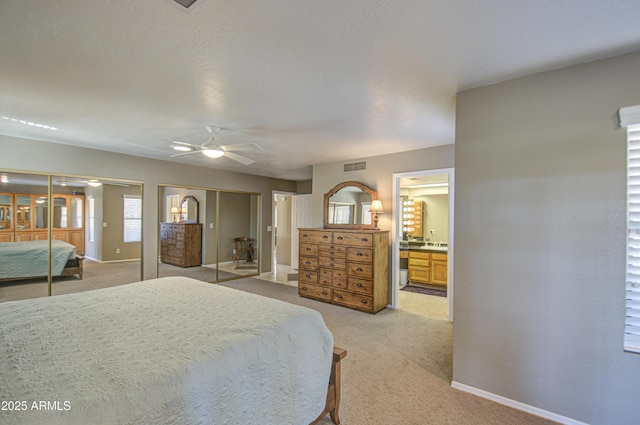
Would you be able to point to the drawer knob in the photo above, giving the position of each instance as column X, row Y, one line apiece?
column 364, row 301
column 365, row 240
column 307, row 262
column 307, row 249
column 340, row 238
column 324, row 292
column 359, row 269
column 339, row 296
column 325, row 237
column 304, row 235
column 307, row 275
column 304, row 288
column 331, row 265
column 359, row 254
column 360, row 285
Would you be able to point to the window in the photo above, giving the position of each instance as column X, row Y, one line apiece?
column 132, row 218
column 630, row 118
column 92, row 218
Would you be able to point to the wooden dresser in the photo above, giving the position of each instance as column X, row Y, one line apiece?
column 181, row 244
column 345, row 267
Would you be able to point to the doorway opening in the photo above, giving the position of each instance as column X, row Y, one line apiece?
column 422, row 233
column 290, row 212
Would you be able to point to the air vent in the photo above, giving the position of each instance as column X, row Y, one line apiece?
column 354, row 166
column 185, row 3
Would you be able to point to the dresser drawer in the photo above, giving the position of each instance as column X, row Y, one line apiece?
column 363, row 255
column 333, row 262
column 332, row 251
column 315, row 236
column 353, row 239
column 360, row 270
column 362, row 302
column 315, row 291
column 308, row 249
column 332, row 277
column 307, row 276
column 364, row 286
column 309, row 263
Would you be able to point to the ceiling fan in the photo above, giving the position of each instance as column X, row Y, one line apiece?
column 212, row 149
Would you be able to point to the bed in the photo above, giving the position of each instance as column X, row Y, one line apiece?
column 171, row 350
column 24, row 260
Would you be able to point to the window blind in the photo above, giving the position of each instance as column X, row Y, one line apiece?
column 132, row 218
column 632, row 314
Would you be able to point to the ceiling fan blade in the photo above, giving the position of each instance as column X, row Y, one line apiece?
column 175, row 155
column 241, row 159
column 241, row 147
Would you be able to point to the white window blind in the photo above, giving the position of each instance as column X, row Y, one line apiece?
column 92, row 219
column 132, row 218
column 632, row 314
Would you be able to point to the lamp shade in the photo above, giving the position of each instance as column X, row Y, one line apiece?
column 376, row 207
column 174, row 210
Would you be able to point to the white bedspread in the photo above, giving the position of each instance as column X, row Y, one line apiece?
column 164, row 351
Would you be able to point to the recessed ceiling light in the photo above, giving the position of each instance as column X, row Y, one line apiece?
column 30, row 123
column 94, row 183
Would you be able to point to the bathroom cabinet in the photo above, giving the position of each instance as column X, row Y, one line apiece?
column 428, row 267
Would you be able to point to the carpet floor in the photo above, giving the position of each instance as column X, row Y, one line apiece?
column 398, row 367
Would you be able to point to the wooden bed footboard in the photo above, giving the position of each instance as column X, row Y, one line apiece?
column 332, row 405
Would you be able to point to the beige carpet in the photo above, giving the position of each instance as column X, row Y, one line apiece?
column 399, row 365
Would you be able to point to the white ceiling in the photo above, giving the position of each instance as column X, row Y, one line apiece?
column 310, row 81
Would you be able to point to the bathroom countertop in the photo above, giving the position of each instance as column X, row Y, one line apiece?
column 404, row 247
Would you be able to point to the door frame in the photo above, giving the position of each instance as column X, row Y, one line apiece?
column 396, row 236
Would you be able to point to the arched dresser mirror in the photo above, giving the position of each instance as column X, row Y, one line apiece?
column 347, row 205
column 189, row 210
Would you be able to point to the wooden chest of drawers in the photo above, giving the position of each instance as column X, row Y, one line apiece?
column 181, row 244
column 345, row 267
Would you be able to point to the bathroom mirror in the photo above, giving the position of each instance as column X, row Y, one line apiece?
column 189, row 210
column 347, row 205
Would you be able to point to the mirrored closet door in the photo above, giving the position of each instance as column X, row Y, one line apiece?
column 61, row 234
column 207, row 234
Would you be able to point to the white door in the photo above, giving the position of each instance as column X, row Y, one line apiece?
column 301, row 217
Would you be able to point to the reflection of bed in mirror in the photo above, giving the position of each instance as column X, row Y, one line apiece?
column 199, row 353
column 25, row 260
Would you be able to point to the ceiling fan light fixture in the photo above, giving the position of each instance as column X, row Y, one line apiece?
column 212, row 153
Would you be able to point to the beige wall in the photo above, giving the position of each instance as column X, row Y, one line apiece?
column 29, row 155
column 540, row 242
column 378, row 176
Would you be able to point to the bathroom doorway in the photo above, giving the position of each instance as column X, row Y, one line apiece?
column 422, row 228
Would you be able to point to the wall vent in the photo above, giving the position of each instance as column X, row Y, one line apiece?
column 354, row 166
column 185, row 3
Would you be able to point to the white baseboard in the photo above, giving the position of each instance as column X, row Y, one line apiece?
column 516, row 404
column 86, row 257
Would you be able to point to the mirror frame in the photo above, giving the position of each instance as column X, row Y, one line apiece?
column 194, row 200
column 336, row 188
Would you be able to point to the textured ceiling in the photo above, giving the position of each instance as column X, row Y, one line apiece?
column 309, row 81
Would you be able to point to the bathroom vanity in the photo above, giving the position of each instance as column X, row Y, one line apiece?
column 426, row 264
